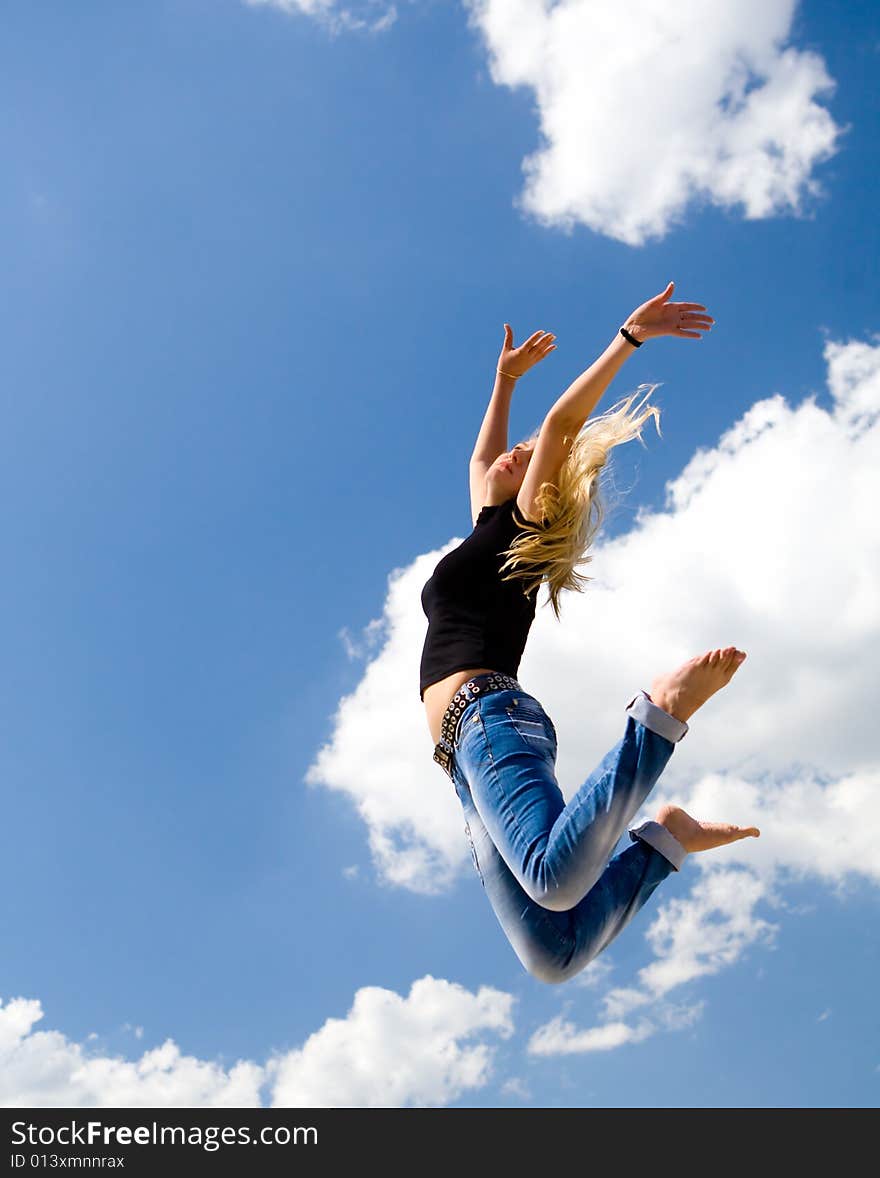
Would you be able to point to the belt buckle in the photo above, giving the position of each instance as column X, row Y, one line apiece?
column 443, row 757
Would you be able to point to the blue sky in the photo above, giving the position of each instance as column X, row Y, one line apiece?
column 257, row 262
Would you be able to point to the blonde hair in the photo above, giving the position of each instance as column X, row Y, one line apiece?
column 573, row 512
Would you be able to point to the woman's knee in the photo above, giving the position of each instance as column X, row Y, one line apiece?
column 553, row 897
column 549, row 959
column 550, row 970
column 541, row 883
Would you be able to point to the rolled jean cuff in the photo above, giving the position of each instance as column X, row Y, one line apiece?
column 658, row 837
column 642, row 708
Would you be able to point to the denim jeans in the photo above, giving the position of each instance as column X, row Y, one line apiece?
column 546, row 866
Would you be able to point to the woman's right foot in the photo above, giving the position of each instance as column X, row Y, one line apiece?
column 683, row 691
column 702, row 836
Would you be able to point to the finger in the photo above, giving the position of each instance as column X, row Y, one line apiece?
column 533, row 339
column 689, row 306
column 664, row 295
column 508, row 336
column 745, row 832
column 547, row 338
column 688, row 334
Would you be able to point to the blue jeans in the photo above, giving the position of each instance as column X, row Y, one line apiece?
column 545, row 865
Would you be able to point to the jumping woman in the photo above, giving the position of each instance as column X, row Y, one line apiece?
column 546, row 866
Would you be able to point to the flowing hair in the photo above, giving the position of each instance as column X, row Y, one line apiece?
column 572, row 512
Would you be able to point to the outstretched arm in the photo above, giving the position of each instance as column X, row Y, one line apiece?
column 492, row 438
column 657, row 317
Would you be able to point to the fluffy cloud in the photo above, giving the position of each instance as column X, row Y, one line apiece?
column 389, row 1051
column 644, row 112
column 560, row 1037
column 697, row 936
column 40, row 1069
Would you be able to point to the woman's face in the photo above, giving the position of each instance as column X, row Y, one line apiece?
column 507, row 472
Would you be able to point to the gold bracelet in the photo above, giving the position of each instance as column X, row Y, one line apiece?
column 510, row 374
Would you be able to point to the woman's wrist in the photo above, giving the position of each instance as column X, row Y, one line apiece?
column 635, row 331
column 509, row 375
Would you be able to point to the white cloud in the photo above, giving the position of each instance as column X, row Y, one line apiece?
column 563, row 1037
column 705, row 932
column 559, row 1037
column 371, row 16
column 42, row 1069
column 647, row 110
column 389, row 1051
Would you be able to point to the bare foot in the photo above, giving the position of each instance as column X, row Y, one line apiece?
column 701, row 836
column 682, row 691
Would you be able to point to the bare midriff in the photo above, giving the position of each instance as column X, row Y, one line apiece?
column 438, row 696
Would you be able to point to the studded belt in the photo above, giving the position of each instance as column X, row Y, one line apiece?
column 466, row 694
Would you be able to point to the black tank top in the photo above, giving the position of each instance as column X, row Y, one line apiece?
column 475, row 619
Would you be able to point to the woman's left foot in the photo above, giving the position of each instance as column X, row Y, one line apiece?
column 683, row 691
column 701, row 836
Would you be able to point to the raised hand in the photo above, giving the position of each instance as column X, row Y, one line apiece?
column 658, row 316
column 516, row 361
